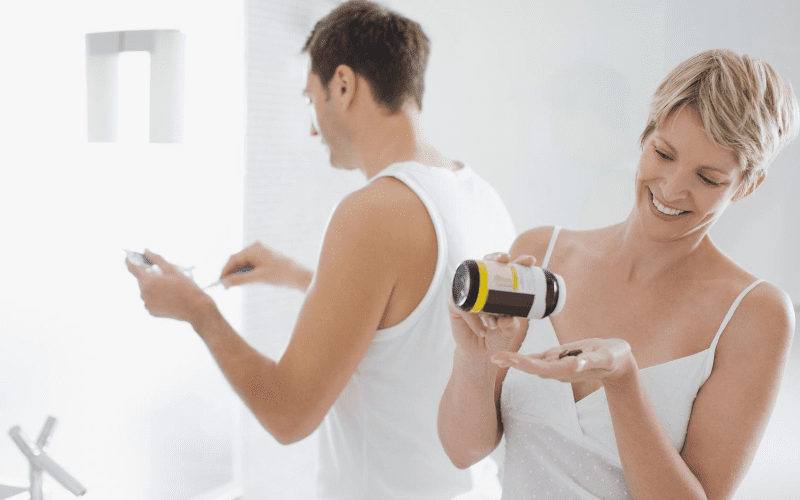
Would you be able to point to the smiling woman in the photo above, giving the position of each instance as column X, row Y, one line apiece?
column 684, row 176
column 669, row 391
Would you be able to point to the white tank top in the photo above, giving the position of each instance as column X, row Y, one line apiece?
column 380, row 439
column 557, row 448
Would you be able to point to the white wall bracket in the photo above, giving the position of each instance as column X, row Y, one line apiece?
column 167, row 51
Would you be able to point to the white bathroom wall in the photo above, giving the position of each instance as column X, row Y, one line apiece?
column 290, row 191
column 143, row 411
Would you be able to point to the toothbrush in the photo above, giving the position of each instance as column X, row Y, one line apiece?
column 241, row 270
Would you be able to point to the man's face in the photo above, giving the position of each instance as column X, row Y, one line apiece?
column 326, row 120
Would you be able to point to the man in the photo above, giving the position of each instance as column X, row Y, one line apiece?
column 371, row 351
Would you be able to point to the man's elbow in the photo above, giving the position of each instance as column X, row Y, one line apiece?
column 458, row 455
column 289, row 430
column 463, row 460
column 460, row 461
column 288, row 438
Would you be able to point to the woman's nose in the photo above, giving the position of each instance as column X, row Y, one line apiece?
column 674, row 186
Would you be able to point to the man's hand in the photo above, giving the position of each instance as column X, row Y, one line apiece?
column 167, row 292
column 269, row 267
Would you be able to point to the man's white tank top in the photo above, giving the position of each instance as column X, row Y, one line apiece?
column 380, row 439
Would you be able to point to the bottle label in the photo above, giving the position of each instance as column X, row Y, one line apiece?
column 503, row 290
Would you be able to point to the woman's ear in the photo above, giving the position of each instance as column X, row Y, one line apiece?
column 343, row 85
column 745, row 192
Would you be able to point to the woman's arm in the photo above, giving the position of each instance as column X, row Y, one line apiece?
column 652, row 466
column 469, row 413
column 729, row 414
column 734, row 405
column 470, row 425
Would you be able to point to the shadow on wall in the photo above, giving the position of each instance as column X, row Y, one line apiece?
column 591, row 122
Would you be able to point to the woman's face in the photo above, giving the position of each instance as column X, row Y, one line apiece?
column 684, row 181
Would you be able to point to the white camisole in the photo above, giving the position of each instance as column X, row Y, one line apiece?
column 557, row 448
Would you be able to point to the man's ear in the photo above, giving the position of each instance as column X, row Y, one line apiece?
column 744, row 193
column 344, row 85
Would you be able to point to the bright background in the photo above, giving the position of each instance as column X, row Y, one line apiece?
column 143, row 412
column 546, row 99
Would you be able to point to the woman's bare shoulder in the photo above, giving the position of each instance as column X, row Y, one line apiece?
column 536, row 241
column 766, row 314
column 764, row 317
column 532, row 242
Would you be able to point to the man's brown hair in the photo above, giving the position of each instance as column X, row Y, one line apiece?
column 387, row 49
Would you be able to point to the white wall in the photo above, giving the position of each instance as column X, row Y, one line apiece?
column 143, row 412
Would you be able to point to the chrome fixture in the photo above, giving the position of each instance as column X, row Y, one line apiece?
column 41, row 462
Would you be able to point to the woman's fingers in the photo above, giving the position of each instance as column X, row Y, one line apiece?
column 567, row 368
column 500, row 257
column 473, row 321
column 525, row 260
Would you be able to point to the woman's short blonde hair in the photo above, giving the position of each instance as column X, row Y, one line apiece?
column 742, row 103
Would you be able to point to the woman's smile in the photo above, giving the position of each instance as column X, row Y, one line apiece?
column 664, row 209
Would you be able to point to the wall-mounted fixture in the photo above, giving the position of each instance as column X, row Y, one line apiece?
column 41, row 462
column 167, row 49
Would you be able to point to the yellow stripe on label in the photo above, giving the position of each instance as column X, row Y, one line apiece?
column 483, row 291
column 516, row 281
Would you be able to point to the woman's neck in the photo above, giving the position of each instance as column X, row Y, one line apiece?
column 643, row 259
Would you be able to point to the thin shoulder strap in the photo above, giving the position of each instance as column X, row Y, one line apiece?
column 725, row 321
column 551, row 246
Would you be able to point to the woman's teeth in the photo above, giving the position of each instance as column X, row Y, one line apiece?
column 664, row 209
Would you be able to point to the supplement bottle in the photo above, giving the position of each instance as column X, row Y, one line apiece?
column 508, row 289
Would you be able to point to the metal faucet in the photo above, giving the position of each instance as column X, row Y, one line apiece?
column 41, row 462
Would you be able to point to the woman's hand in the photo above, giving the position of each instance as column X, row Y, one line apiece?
column 606, row 360
column 269, row 267
column 479, row 336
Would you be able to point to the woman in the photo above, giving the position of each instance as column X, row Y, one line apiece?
column 682, row 350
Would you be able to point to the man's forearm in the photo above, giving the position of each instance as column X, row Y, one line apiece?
column 250, row 373
column 301, row 276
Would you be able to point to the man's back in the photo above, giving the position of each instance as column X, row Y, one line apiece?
column 379, row 439
column 371, row 349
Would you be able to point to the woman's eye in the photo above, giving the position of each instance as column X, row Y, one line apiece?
column 663, row 155
column 708, row 181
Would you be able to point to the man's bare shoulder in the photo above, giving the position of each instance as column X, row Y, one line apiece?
column 386, row 212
